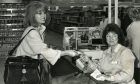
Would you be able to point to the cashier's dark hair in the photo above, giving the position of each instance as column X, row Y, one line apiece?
column 33, row 8
column 113, row 28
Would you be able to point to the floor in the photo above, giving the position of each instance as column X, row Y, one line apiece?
column 54, row 39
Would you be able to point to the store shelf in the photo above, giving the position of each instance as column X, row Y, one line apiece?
column 11, row 30
column 72, row 22
column 11, row 42
column 11, row 26
column 11, row 9
column 13, row 14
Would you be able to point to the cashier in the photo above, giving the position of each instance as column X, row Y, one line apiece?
column 116, row 62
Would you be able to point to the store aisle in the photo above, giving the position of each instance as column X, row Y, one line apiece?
column 52, row 38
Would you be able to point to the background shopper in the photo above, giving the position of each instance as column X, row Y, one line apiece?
column 133, row 35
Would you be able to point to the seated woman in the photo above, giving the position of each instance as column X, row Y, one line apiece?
column 117, row 62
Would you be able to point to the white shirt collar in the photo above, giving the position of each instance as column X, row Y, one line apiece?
column 42, row 29
column 116, row 48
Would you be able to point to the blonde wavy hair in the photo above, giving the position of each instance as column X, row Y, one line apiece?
column 32, row 9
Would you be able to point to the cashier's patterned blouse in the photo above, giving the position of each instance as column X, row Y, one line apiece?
column 119, row 65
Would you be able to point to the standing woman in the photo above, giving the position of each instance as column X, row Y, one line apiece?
column 133, row 35
column 36, row 15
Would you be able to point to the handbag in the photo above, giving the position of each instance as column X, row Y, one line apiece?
column 22, row 69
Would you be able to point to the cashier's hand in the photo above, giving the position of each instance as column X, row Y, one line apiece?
column 71, row 53
column 101, row 77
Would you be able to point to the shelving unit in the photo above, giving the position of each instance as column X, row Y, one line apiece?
column 98, row 15
column 11, row 26
column 64, row 18
column 55, row 23
column 72, row 17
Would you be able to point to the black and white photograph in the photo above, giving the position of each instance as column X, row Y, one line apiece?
column 69, row 41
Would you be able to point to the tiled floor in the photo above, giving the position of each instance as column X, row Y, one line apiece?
column 52, row 38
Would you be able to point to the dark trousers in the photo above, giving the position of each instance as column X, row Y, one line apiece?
column 137, row 75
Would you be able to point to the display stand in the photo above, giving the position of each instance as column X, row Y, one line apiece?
column 82, row 38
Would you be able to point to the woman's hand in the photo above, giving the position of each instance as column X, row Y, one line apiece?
column 71, row 53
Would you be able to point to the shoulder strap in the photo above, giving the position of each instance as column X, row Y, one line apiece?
column 12, row 51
